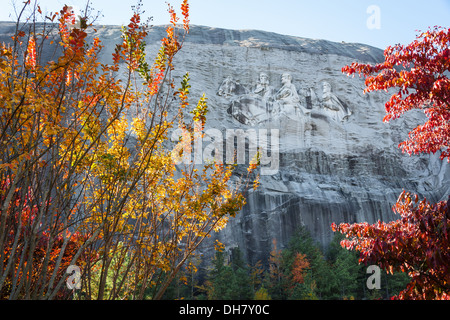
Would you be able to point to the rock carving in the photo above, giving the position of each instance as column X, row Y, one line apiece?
column 227, row 87
column 288, row 100
column 333, row 106
column 230, row 87
column 263, row 88
column 265, row 103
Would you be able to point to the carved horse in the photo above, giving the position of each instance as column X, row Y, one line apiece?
column 250, row 109
column 230, row 87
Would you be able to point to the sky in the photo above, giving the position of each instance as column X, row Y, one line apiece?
column 379, row 23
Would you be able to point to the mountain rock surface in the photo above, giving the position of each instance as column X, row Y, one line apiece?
column 338, row 161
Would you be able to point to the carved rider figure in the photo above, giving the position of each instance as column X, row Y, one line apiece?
column 332, row 105
column 227, row 87
column 288, row 98
column 263, row 88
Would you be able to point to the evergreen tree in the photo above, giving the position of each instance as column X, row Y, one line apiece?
column 241, row 276
column 305, row 290
column 219, row 286
column 346, row 274
column 229, row 281
column 345, row 269
column 321, row 273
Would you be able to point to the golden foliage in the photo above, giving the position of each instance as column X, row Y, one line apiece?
column 66, row 131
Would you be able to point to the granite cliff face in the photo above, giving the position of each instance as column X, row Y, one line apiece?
column 337, row 160
column 330, row 157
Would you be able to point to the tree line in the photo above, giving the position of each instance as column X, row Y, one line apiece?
column 302, row 270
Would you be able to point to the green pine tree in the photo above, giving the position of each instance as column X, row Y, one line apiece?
column 241, row 276
column 345, row 268
column 229, row 281
column 320, row 270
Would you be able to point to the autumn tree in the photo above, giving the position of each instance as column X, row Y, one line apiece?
column 275, row 275
column 303, row 286
column 256, row 275
column 418, row 75
column 299, row 268
column 418, row 243
column 319, row 270
column 85, row 151
column 65, row 242
column 262, row 294
column 295, row 271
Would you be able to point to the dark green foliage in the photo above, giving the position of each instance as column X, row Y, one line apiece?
column 345, row 269
column 229, row 281
column 320, row 272
column 332, row 274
